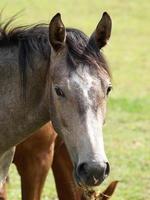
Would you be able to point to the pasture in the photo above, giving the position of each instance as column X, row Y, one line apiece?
column 126, row 132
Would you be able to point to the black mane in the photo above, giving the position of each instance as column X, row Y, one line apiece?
column 30, row 39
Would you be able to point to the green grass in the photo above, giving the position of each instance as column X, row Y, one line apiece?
column 128, row 119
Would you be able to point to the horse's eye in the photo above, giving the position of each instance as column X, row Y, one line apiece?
column 109, row 89
column 59, row 92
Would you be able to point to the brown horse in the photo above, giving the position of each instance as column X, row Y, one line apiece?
column 34, row 157
column 64, row 79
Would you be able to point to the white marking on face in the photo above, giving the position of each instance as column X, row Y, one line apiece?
column 85, row 81
column 94, row 121
column 94, row 127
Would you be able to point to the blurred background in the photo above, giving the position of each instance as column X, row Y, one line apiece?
column 127, row 128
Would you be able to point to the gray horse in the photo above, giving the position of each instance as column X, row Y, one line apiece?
column 58, row 74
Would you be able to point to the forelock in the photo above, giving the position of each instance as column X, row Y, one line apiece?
column 83, row 51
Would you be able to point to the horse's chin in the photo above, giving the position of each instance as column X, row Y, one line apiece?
column 81, row 184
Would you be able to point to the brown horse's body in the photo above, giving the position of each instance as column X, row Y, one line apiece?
column 34, row 157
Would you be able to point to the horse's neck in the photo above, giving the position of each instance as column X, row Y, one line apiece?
column 18, row 119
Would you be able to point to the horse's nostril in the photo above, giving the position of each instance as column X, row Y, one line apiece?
column 82, row 169
column 107, row 170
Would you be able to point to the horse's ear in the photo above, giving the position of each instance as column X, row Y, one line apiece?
column 57, row 32
column 103, row 31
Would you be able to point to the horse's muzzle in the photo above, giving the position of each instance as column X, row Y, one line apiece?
column 91, row 174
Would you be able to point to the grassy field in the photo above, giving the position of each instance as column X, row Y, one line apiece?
column 127, row 131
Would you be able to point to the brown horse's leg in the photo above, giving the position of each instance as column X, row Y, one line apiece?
column 3, row 195
column 62, row 170
column 33, row 159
